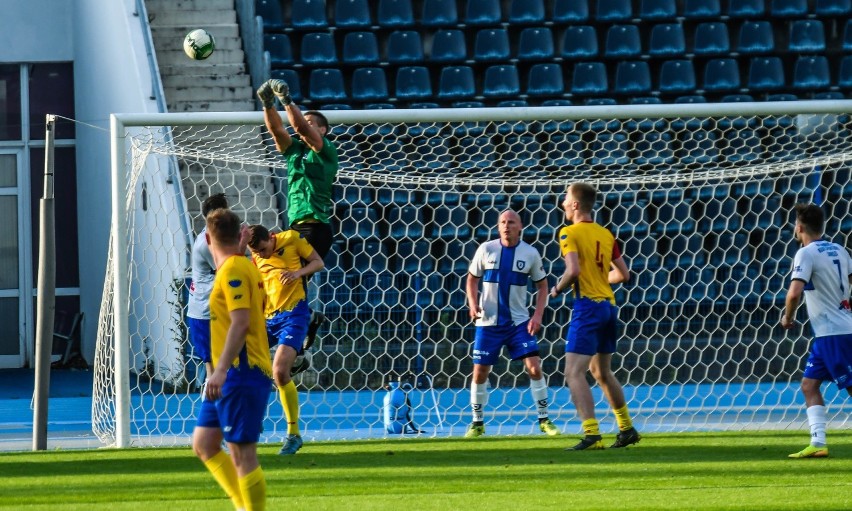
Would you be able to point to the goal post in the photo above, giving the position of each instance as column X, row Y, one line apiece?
column 698, row 196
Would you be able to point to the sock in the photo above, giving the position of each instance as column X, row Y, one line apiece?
column 290, row 402
column 225, row 474
column 539, row 394
column 817, row 420
column 253, row 488
column 622, row 416
column 591, row 428
column 478, row 400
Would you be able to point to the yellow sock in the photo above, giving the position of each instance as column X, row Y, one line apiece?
column 590, row 427
column 622, row 416
column 253, row 488
column 290, row 402
column 225, row 473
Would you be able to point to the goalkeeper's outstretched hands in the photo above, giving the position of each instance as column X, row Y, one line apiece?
column 265, row 95
column 281, row 90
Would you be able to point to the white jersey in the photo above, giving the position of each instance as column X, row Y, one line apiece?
column 825, row 267
column 505, row 272
column 203, row 274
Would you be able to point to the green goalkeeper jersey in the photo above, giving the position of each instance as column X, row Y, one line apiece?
column 310, row 177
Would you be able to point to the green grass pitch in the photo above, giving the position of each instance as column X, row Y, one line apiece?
column 693, row 471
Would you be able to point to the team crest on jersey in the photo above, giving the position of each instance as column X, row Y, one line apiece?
column 235, row 283
column 520, row 264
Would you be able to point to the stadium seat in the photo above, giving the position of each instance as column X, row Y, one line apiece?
column 657, row 10
column 847, row 36
column 667, row 40
column 406, row 222
column 811, row 73
column 746, row 9
column 405, row 47
column 448, row 45
column 600, row 101
column 360, row 222
column 491, row 45
column 318, row 49
column 564, row 149
column 450, row 223
column 308, row 14
column 677, row 76
column 456, row 82
column 832, row 8
column 521, row 151
column 327, row 85
column 360, row 48
column 570, row 11
column 701, row 9
column 280, row 51
column 736, row 98
column 830, row 94
column 536, row 43
column 292, row 78
column 632, row 77
column 483, row 12
column 270, row 12
column 395, row 13
column 646, row 100
column 545, row 79
column 782, row 97
column 526, row 12
column 589, row 78
column 613, row 11
column 711, row 38
column 369, row 84
column 623, row 41
column 579, row 42
column 742, row 145
column 695, row 98
column 756, row 37
column 512, row 103
column 766, row 73
column 434, row 152
column 721, row 75
column 501, row 81
column 697, row 147
column 844, row 80
column 654, row 147
column 352, row 14
column 807, row 36
column 439, row 13
column 788, row 8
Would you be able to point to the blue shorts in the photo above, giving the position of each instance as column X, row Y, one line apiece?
column 593, row 328
column 199, row 335
column 831, row 359
column 290, row 327
column 240, row 411
column 489, row 340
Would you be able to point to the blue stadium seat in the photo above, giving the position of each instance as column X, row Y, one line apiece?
column 695, row 98
column 570, row 11
column 491, row 45
column 766, row 73
column 456, row 83
column 646, row 100
column 580, row 42
column 521, row 151
column 405, row 47
column 270, row 12
column 742, row 145
column 448, row 45
column 701, row 9
column 536, row 43
column 280, row 51
column 681, row 211
column 830, row 94
column 711, row 38
column 756, row 37
column 526, row 12
column 623, row 41
column 832, row 8
column 654, row 147
column 318, row 49
column 697, row 147
column 677, row 76
column 789, row 8
column 746, row 8
column 564, row 149
column 327, row 85
column 557, row 102
column 501, row 81
column 847, row 36
column 477, row 152
column 632, row 77
column 406, row 222
column 395, row 13
column 369, row 84
column 512, row 103
column 612, row 11
column 292, row 78
column 360, row 48
column 600, row 101
column 807, row 36
column 434, row 152
column 736, row 98
column 545, row 79
column 589, row 78
column 811, row 73
column 721, row 75
column 782, row 97
column 352, row 14
column 844, row 80
column 308, row 14
column 658, row 10
column 667, row 40
column 439, row 13
column 360, row 222
column 483, row 12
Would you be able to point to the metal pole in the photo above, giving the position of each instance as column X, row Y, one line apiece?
column 46, row 301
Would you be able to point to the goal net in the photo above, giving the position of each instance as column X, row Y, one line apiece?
column 699, row 196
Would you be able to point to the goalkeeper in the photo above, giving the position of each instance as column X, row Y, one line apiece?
column 311, row 170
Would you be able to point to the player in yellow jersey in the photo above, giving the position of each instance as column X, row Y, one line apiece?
column 279, row 258
column 237, row 391
column 593, row 263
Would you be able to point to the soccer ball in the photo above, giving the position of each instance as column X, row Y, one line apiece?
column 199, row 44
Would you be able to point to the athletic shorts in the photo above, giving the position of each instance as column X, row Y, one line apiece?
column 199, row 334
column 831, row 359
column 489, row 340
column 290, row 328
column 318, row 235
column 593, row 328
column 240, row 411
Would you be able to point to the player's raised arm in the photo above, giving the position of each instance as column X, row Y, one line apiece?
column 272, row 118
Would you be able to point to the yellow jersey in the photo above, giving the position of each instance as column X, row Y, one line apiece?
column 238, row 286
column 596, row 248
column 290, row 248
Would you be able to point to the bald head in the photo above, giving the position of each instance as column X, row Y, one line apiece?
column 510, row 228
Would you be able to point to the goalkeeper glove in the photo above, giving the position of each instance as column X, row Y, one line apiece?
column 266, row 96
column 282, row 90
